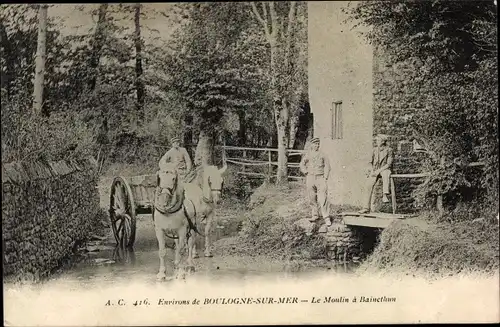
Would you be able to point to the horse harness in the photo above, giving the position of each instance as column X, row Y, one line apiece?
column 180, row 192
column 176, row 207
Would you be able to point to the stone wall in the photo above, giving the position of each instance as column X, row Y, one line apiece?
column 348, row 243
column 394, row 105
column 46, row 209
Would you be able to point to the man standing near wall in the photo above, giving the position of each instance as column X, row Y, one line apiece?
column 316, row 167
column 179, row 157
column 381, row 165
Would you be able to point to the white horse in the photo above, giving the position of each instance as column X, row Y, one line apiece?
column 179, row 207
column 172, row 217
column 211, row 181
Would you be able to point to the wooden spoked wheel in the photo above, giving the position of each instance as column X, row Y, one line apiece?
column 124, row 255
column 122, row 213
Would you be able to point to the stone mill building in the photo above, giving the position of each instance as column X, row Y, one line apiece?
column 353, row 95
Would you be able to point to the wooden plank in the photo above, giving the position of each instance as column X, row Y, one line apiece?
column 242, row 163
column 296, row 177
column 143, row 193
column 143, row 204
column 251, row 174
column 367, row 222
column 476, row 164
column 150, row 194
column 248, row 160
column 380, row 215
column 259, row 149
column 227, row 147
column 418, row 175
column 144, row 180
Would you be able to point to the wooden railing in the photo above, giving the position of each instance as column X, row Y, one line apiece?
column 265, row 158
column 418, row 175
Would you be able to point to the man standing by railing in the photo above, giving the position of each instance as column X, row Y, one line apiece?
column 316, row 167
column 381, row 164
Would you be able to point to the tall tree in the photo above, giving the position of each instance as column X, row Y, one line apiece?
column 139, row 84
column 283, row 23
column 209, row 68
column 40, row 59
column 97, row 44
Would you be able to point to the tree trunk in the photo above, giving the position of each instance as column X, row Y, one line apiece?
column 281, row 120
column 274, row 139
column 139, row 84
column 279, row 37
column 282, row 171
column 99, row 41
column 188, row 134
column 283, row 129
column 242, row 132
column 40, row 60
column 204, row 149
column 294, row 126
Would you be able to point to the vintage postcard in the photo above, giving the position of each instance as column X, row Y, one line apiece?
column 243, row 163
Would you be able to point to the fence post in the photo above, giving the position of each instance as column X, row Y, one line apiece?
column 439, row 199
column 244, row 156
column 224, row 153
column 269, row 166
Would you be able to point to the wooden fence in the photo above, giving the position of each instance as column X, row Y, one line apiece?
column 262, row 162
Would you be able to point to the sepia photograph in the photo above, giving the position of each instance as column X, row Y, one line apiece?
column 250, row 163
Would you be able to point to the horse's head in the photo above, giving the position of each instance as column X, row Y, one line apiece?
column 167, row 179
column 213, row 182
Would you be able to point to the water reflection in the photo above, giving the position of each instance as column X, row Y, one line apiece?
column 124, row 255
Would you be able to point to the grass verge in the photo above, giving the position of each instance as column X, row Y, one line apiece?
column 268, row 226
column 436, row 249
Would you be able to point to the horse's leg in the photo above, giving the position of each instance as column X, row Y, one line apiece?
column 195, row 252
column 179, row 246
column 191, row 247
column 162, row 251
column 208, row 229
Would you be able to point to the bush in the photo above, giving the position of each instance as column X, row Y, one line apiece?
column 26, row 136
column 237, row 186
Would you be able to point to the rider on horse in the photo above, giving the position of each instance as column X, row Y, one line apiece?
column 178, row 156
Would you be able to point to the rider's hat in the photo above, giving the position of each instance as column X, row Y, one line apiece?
column 175, row 139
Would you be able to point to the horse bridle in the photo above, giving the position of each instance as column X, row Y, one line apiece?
column 161, row 189
column 212, row 190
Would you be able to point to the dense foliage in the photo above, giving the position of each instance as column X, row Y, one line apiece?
column 219, row 69
column 129, row 87
column 451, row 51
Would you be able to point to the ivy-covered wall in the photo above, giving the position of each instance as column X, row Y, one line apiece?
column 46, row 208
column 394, row 106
